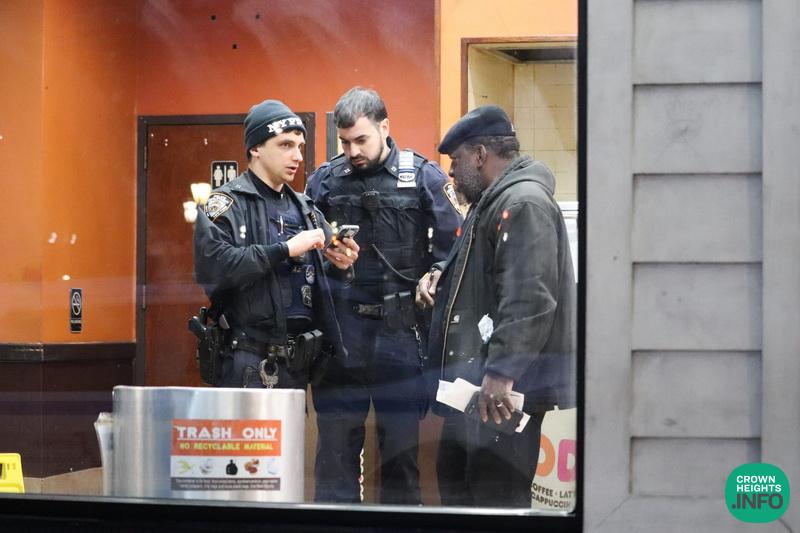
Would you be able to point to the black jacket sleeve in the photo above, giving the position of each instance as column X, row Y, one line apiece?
column 525, row 268
column 221, row 263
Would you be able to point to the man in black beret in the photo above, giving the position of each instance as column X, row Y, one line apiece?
column 503, row 315
column 257, row 255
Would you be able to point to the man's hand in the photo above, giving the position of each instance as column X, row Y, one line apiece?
column 493, row 398
column 304, row 241
column 426, row 288
column 343, row 254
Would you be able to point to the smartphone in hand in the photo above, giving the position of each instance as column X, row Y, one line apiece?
column 345, row 230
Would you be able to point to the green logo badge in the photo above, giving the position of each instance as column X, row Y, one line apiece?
column 757, row 492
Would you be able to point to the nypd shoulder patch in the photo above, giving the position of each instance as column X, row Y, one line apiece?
column 450, row 193
column 217, row 204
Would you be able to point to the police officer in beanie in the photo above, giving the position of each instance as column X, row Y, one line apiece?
column 257, row 254
column 408, row 215
column 504, row 314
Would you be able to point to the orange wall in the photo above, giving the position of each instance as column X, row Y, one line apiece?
column 89, row 168
column 489, row 18
column 306, row 53
column 84, row 69
column 21, row 235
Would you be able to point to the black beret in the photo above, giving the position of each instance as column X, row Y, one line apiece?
column 267, row 119
column 488, row 120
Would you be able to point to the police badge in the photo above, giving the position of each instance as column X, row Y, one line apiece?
column 217, row 204
column 450, row 194
column 406, row 177
column 310, row 274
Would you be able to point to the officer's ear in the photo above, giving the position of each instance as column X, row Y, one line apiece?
column 383, row 127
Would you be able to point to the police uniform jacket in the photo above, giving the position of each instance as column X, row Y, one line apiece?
column 234, row 260
column 412, row 218
column 509, row 292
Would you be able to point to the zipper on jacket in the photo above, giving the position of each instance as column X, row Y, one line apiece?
column 455, row 295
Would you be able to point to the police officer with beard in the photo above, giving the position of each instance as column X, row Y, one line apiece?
column 408, row 216
column 257, row 255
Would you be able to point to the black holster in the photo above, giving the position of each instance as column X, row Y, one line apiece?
column 307, row 346
column 398, row 310
column 210, row 345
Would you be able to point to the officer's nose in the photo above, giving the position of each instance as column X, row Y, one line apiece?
column 451, row 173
column 353, row 151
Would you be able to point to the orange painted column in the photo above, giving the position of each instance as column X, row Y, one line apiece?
column 89, row 168
column 21, row 234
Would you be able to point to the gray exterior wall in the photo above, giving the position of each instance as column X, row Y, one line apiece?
column 693, row 259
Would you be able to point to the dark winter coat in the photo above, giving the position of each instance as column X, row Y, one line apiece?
column 233, row 261
column 512, row 265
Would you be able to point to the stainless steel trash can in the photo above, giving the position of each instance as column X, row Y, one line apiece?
column 204, row 443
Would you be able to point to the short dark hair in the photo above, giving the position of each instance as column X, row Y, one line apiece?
column 358, row 102
column 505, row 147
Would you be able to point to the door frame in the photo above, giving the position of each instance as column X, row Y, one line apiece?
column 467, row 41
column 143, row 122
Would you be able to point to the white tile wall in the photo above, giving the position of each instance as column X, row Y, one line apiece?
column 491, row 81
column 545, row 105
column 541, row 100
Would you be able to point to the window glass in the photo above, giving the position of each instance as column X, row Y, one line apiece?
column 365, row 211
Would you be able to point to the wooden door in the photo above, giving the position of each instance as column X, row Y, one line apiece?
column 179, row 151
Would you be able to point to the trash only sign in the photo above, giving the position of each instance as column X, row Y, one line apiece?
column 226, row 455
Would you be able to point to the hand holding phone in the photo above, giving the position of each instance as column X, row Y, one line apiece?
column 508, row 426
column 343, row 255
column 347, row 230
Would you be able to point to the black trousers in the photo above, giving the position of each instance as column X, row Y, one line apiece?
column 478, row 466
column 383, row 370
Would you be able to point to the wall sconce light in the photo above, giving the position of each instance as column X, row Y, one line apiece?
column 190, row 211
column 201, row 192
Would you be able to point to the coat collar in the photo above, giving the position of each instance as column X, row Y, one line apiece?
column 540, row 174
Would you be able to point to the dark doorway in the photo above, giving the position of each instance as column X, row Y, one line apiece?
column 174, row 152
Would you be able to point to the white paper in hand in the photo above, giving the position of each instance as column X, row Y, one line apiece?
column 458, row 393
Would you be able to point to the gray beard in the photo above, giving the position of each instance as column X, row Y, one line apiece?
column 471, row 188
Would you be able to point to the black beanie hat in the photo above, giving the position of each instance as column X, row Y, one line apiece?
column 268, row 119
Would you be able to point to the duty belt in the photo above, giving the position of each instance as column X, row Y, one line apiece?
column 374, row 311
column 264, row 349
column 297, row 355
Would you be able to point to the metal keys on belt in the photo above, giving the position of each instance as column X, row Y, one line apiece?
column 269, row 373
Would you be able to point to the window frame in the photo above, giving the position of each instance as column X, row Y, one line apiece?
column 123, row 514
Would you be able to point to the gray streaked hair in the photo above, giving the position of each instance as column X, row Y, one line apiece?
column 358, row 102
column 502, row 146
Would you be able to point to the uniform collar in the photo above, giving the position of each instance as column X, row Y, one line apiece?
column 245, row 184
column 248, row 185
column 392, row 160
column 265, row 190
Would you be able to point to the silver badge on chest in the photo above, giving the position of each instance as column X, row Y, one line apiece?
column 305, row 292
column 406, row 177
